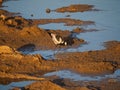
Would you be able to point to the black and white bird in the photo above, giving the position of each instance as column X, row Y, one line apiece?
column 58, row 40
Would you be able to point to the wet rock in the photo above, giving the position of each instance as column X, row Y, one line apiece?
column 1, row 0
column 81, row 30
column 14, row 21
column 92, row 61
column 43, row 85
column 67, row 15
column 11, row 23
column 67, row 21
column 8, row 14
column 48, row 10
column 31, row 15
column 59, row 82
column 3, row 12
column 75, row 8
column 77, row 30
column 2, row 17
column 67, row 83
column 112, row 80
column 24, row 35
column 6, row 50
column 84, row 88
column 18, row 76
column 13, row 61
column 16, row 88
column 17, row 22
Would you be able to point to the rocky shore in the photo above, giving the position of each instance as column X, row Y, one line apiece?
column 17, row 32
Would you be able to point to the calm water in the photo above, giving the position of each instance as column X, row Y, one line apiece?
column 77, row 77
column 15, row 84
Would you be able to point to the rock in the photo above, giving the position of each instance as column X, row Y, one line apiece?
column 84, row 88
column 78, row 30
column 27, row 48
column 6, row 49
column 31, row 15
column 112, row 80
column 75, row 8
column 3, row 17
column 43, row 85
column 13, row 61
column 48, row 10
column 19, row 76
column 16, row 88
column 9, row 22
column 1, row 1
column 67, row 15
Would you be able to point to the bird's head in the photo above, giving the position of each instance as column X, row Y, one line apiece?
column 65, row 43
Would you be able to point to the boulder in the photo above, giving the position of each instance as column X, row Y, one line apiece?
column 6, row 49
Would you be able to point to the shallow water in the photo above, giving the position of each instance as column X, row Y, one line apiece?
column 47, row 54
column 15, row 84
column 78, row 77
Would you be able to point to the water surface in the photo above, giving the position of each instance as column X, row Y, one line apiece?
column 15, row 84
column 78, row 77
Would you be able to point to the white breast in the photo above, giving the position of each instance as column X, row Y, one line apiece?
column 59, row 41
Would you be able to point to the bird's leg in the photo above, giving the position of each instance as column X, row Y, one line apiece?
column 56, row 50
column 57, row 60
column 59, row 48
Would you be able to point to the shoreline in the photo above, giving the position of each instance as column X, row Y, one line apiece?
column 15, row 65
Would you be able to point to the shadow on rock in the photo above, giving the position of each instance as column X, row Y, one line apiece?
column 27, row 48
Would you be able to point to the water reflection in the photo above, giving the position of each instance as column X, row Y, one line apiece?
column 76, row 77
column 15, row 84
column 47, row 54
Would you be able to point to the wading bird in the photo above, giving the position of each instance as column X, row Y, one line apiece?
column 58, row 40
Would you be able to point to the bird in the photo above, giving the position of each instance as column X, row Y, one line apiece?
column 58, row 40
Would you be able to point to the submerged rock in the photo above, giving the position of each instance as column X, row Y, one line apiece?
column 1, row 1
